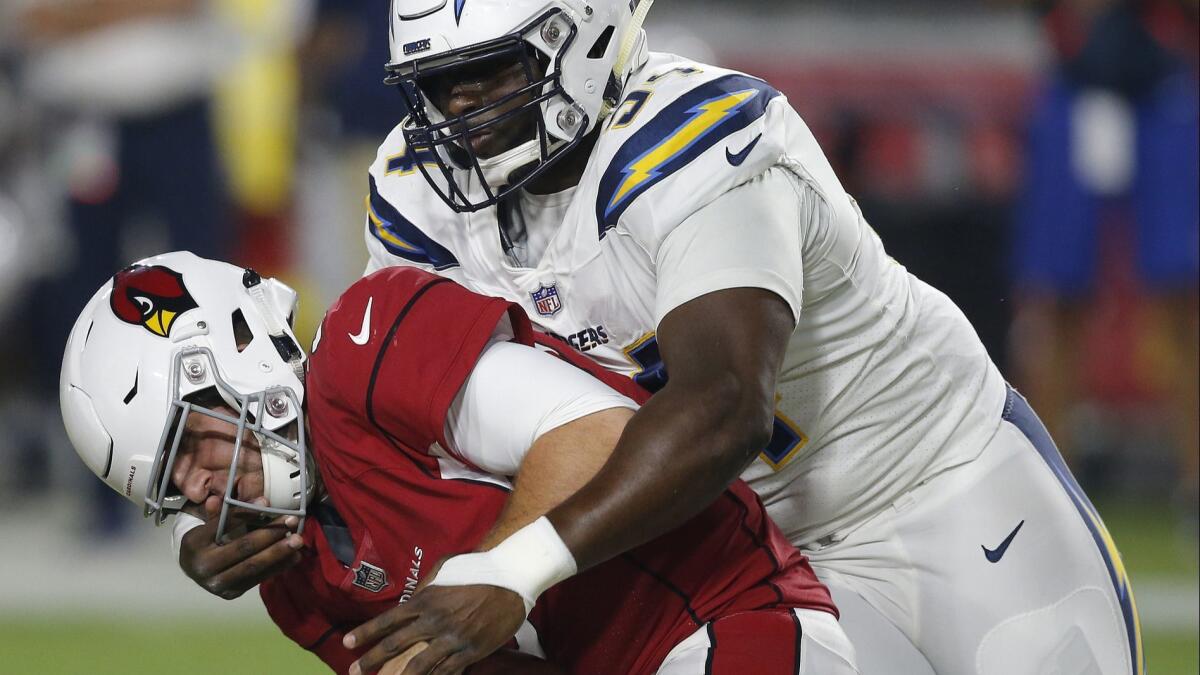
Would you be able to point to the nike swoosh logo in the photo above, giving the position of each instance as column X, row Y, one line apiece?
column 364, row 333
column 736, row 159
column 995, row 555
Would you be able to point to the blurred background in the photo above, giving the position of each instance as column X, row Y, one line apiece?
column 1036, row 160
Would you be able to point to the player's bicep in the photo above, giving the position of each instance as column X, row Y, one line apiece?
column 514, row 396
column 749, row 237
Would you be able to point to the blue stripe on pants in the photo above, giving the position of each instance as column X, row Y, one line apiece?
column 1018, row 412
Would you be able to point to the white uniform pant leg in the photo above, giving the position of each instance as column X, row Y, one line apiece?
column 881, row 647
column 1056, row 599
column 823, row 649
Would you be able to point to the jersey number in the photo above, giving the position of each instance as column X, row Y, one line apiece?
column 786, row 438
column 405, row 162
column 636, row 100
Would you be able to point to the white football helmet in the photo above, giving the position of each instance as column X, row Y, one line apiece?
column 149, row 344
column 586, row 50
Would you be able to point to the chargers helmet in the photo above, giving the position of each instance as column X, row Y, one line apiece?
column 156, row 335
column 585, row 50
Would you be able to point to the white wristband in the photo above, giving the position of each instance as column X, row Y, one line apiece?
column 184, row 523
column 528, row 562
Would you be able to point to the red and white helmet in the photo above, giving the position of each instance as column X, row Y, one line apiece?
column 586, row 50
column 163, row 331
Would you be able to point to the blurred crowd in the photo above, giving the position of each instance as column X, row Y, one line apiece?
column 1051, row 191
column 1105, row 235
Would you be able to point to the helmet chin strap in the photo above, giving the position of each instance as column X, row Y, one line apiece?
column 633, row 33
column 270, row 316
column 632, row 51
column 496, row 170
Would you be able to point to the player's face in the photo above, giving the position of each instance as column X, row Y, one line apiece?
column 477, row 85
column 201, row 470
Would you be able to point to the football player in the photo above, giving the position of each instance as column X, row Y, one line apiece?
column 183, row 387
column 677, row 222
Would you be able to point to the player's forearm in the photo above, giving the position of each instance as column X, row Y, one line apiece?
column 676, row 456
column 723, row 350
column 556, row 467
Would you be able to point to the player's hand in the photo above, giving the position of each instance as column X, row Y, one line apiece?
column 229, row 570
column 461, row 624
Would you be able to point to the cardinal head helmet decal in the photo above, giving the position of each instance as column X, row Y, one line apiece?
column 152, row 297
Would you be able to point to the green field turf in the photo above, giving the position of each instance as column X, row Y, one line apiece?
column 1150, row 538
column 1171, row 654
column 94, row 647
column 209, row 648
column 1153, row 545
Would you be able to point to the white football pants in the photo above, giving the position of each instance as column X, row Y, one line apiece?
column 808, row 642
column 997, row 567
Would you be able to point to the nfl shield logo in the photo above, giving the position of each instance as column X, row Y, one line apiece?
column 370, row 577
column 545, row 300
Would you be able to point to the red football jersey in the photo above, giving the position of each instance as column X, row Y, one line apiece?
column 393, row 353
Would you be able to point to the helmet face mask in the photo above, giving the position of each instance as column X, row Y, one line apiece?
column 450, row 140
column 274, row 416
column 507, row 82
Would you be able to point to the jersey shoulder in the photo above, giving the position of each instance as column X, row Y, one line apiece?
column 405, row 218
column 684, row 133
column 396, row 347
column 386, row 290
column 350, row 337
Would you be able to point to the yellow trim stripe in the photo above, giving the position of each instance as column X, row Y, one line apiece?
column 1123, row 586
column 382, row 232
column 707, row 115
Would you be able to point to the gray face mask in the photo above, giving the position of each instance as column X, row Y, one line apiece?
column 287, row 464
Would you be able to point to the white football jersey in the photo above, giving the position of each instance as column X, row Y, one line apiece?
column 884, row 383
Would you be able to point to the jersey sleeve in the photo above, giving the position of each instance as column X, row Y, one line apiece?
column 397, row 347
column 296, row 610
column 400, row 212
column 747, row 237
column 697, row 134
column 514, row 395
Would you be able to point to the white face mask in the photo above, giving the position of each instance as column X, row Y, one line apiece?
column 286, row 463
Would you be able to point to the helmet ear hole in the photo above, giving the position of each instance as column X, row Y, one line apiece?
column 535, row 55
column 242, row 333
column 600, row 46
